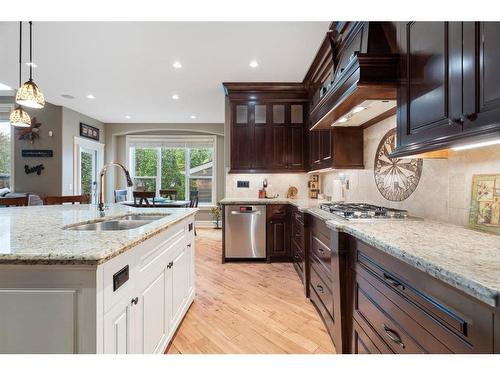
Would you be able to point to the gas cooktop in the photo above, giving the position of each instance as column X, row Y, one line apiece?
column 363, row 211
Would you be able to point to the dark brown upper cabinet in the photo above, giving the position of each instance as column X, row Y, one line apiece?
column 450, row 85
column 338, row 148
column 268, row 127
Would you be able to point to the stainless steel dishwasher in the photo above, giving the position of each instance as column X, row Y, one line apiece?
column 245, row 228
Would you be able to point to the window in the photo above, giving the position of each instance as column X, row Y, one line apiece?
column 5, row 148
column 178, row 165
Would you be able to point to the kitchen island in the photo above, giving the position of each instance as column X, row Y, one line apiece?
column 72, row 281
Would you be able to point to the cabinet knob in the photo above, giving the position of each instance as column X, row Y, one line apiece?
column 468, row 116
column 134, row 301
column 170, row 265
column 319, row 288
column 456, row 121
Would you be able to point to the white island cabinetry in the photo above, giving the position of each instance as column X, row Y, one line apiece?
column 131, row 303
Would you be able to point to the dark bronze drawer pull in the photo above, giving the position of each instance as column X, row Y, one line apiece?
column 320, row 288
column 393, row 282
column 393, row 335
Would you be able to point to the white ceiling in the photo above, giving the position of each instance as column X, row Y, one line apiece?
column 127, row 66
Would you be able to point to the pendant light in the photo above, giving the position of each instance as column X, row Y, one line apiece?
column 29, row 94
column 19, row 117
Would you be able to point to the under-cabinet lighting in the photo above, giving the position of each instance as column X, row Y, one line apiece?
column 476, row 145
column 343, row 119
column 358, row 109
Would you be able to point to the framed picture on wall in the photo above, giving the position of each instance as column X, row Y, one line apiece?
column 88, row 131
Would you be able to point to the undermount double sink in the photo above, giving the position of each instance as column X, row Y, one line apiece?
column 125, row 222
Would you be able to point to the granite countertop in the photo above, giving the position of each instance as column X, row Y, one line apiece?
column 466, row 259
column 36, row 234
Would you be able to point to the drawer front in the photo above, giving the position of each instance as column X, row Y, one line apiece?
column 323, row 254
column 398, row 330
column 323, row 291
column 362, row 343
column 462, row 324
column 321, row 231
column 277, row 211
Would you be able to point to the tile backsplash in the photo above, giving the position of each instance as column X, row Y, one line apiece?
column 278, row 183
column 444, row 190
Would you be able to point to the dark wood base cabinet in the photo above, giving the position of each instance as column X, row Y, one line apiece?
column 278, row 233
column 397, row 308
column 300, row 247
column 327, row 264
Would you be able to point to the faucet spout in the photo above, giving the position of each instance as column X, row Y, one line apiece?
column 100, row 206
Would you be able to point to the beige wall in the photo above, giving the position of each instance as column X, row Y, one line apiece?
column 116, row 151
column 443, row 192
column 50, row 181
column 71, row 129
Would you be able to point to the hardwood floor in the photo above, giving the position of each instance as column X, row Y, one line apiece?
column 247, row 308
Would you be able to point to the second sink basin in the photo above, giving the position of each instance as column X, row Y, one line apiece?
column 111, row 225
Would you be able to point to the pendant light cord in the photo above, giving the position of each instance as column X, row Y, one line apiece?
column 20, row 51
column 31, row 56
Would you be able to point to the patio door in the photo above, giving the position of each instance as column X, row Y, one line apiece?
column 88, row 160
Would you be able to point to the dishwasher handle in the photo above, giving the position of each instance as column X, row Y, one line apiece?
column 254, row 212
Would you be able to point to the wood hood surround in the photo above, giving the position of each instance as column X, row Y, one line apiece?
column 356, row 62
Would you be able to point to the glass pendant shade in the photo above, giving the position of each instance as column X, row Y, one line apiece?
column 20, row 118
column 29, row 95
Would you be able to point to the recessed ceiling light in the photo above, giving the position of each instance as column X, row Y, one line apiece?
column 90, row 96
column 32, row 64
column 4, row 87
column 67, row 96
column 358, row 109
column 343, row 119
column 254, row 64
column 177, row 65
column 175, row 97
column 128, row 117
column 193, row 117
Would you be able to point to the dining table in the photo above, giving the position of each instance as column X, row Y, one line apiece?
column 161, row 203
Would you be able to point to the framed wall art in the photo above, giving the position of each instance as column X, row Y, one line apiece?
column 88, row 131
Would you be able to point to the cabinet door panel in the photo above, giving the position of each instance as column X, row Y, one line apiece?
column 154, row 319
column 259, row 151
column 277, row 243
column 278, row 147
column 482, row 92
column 430, row 94
column 180, row 285
column 296, row 147
column 118, row 329
column 325, row 145
column 241, row 146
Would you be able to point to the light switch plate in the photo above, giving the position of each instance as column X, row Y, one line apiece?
column 243, row 184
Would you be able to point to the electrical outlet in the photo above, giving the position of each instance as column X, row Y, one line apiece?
column 243, row 184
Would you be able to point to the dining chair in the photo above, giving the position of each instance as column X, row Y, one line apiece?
column 53, row 200
column 143, row 197
column 193, row 198
column 120, row 195
column 12, row 202
column 169, row 193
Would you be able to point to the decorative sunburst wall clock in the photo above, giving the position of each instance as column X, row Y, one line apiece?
column 396, row 178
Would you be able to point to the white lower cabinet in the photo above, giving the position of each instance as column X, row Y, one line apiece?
column 158, row 298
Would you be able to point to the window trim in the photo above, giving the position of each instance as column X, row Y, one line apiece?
column 9, row 108
column 166, row 140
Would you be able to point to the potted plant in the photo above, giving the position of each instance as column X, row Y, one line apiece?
column 216, row 212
